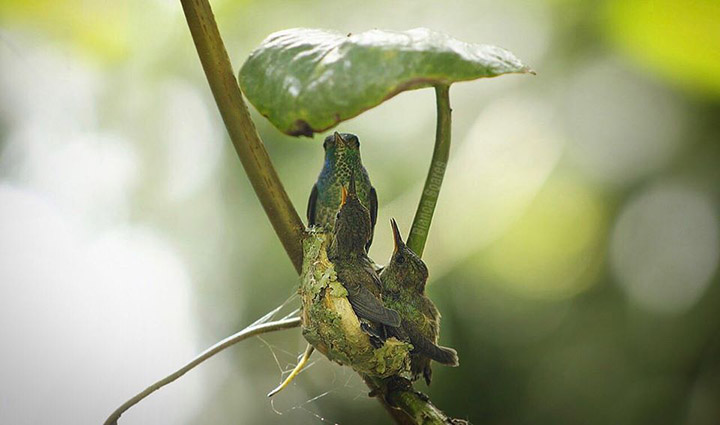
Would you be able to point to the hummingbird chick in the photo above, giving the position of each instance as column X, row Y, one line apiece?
column 403, row 288
column 342, row 159
column 353, row 229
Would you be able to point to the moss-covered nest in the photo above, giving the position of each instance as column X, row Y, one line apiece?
column 330, row 324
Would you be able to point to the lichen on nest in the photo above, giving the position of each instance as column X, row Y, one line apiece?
column 330, row 324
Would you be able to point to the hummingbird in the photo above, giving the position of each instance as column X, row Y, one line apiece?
column 353, row 229
column 403, row 288
column 342, row 158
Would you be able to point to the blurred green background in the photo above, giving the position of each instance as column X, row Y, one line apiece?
column 574, row 254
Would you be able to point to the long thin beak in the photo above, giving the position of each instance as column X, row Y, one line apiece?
column 343, row 196
column 396, row 234
column 339, row 138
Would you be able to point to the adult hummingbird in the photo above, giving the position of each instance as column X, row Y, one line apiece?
column 342, row 158
column 403, row 288
column 353, row 229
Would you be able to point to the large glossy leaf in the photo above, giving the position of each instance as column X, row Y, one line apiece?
column 308, row 80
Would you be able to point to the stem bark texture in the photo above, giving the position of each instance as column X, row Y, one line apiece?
column 250, row 149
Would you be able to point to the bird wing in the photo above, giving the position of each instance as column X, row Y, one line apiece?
column 311, row 205
column 425, row 347
column 398, row 333
column 373, row 207
column 368, row 306
column 369, row 268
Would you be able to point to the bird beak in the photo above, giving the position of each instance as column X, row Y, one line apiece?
column 339, row 139
column 396, row 235
column 343, row 197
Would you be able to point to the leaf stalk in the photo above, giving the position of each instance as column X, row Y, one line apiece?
column 436, row 173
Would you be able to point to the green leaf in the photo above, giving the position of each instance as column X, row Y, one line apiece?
column 308, row 80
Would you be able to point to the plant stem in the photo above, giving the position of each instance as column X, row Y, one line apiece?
column 269, row 189
column 218, row 347
column 433, row 182
column 258, row 167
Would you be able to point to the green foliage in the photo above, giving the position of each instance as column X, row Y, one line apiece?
column 308, row 80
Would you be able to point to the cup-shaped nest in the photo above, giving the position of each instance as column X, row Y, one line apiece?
column 330, row 324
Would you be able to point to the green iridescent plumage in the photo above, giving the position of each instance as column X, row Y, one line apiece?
column 354, row 269
column 342, row 158
column 403, row 287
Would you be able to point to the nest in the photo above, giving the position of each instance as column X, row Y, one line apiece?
column 330, row 324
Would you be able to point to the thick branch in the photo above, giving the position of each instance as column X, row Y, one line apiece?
column 433, row 182
column 410, row 407
column 418, row 408
column 398, row 415
column 258, row 167
column 218, row 347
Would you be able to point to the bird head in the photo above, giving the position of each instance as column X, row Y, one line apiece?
column 409, row 270
column 342, row 146
column 353, row 226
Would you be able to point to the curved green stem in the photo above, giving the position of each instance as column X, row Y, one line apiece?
column 255, row 160
column 218, row 347
column 436, row 173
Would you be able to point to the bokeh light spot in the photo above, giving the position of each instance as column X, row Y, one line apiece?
column 620, row 127
column 664, row 247
column 553, row 251
column 492, row 178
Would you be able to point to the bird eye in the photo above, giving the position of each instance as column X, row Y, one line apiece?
column 399, row 259
column 356, row 142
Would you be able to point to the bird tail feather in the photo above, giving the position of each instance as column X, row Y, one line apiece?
column 445, row 355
